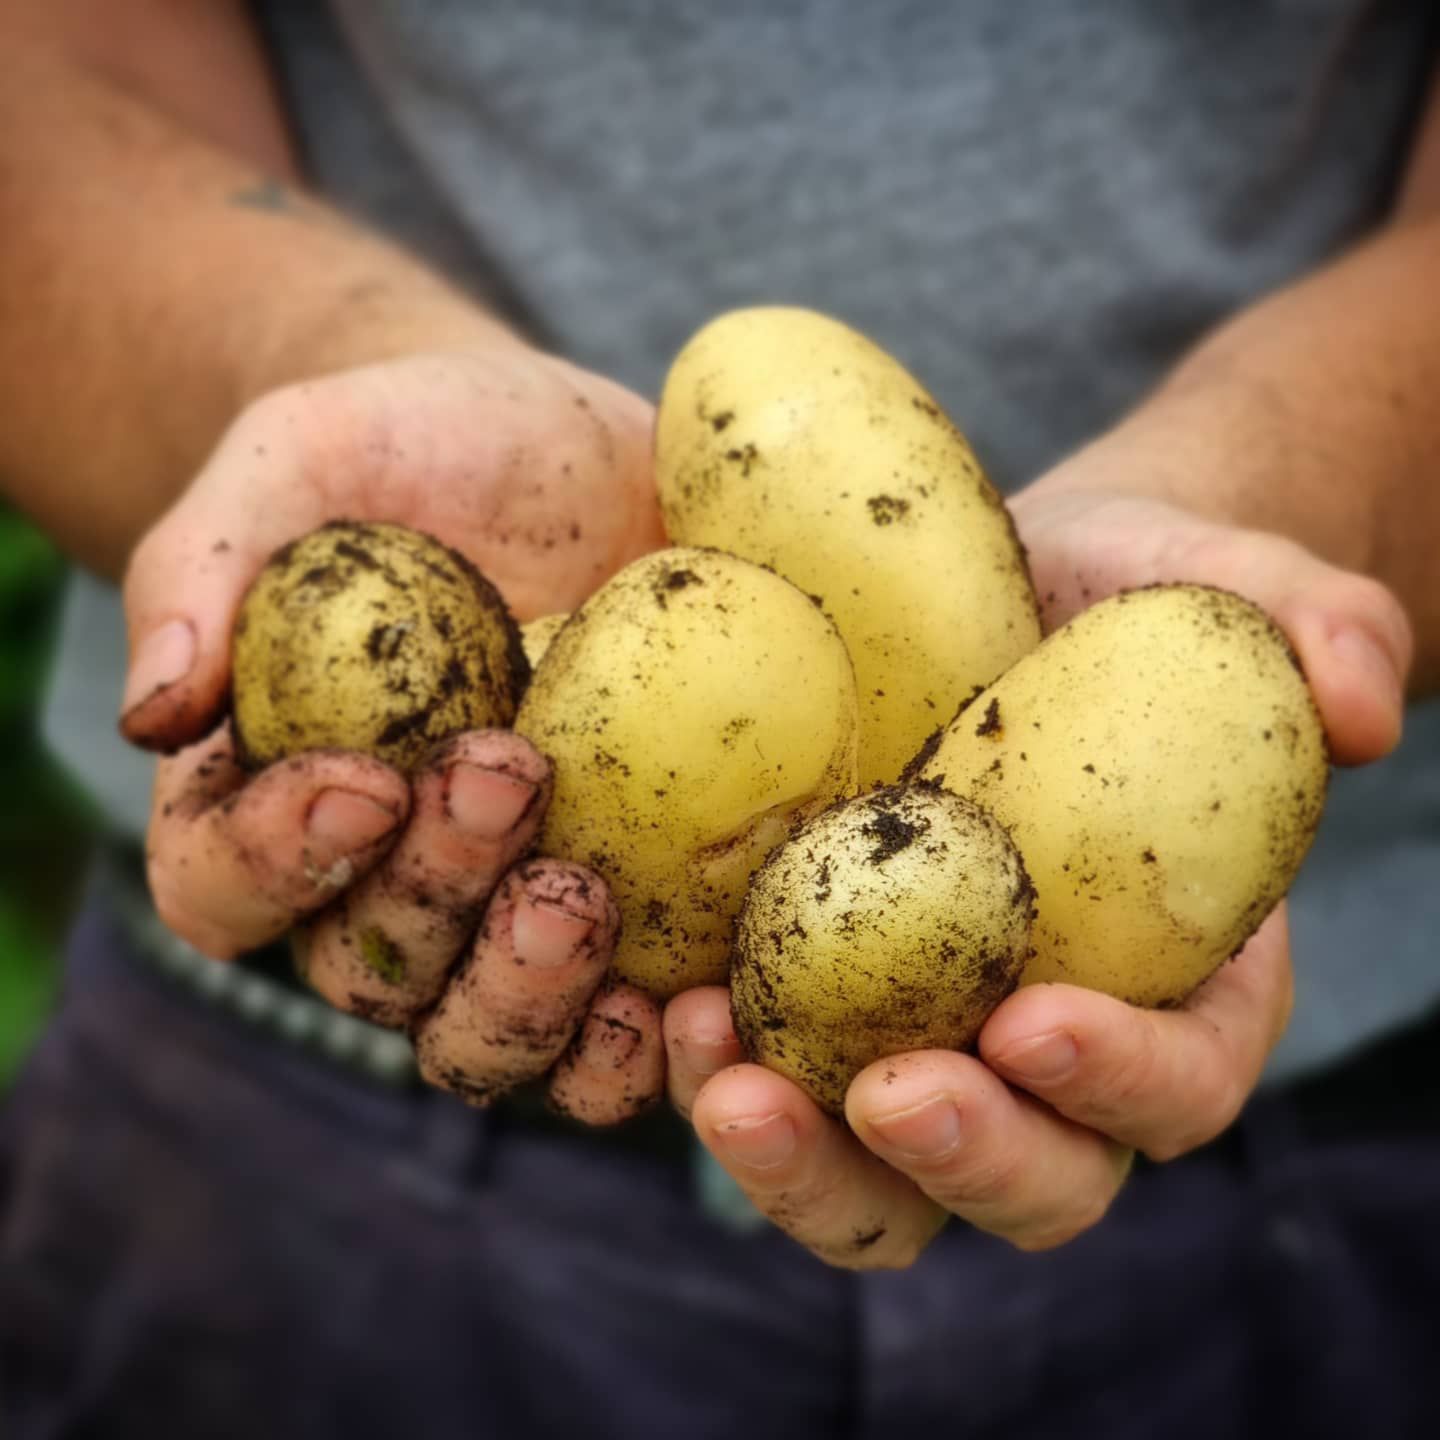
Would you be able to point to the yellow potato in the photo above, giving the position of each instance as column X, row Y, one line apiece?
column 895, row 921
column 789, row 439
column 1161, row 766
column 370, row 637
column 536, row 635
column 692, row 708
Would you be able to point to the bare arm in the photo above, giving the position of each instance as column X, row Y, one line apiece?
column 156, row 276
column 1314, row 414
column 197, row 364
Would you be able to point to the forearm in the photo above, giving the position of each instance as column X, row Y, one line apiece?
column 1314, row 415
column 153, row 284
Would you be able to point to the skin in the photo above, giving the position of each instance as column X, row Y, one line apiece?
column 1087, row 1079
column 337, row 376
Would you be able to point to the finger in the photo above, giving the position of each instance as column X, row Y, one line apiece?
column 616, row 1066
column 1355, row 646
column 985, row 1153
column 384, row 950
column 1351, row 634
column 233, row 863
column 512, row 1007
column 700, row 1041
column 557, row 458
column 1163, row 1081
column 810, row 1175
column 187, row 576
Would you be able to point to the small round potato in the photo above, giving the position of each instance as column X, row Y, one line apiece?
column 895, row 921
column 375, row 638
column 1162, row 767
column 788, row 438
column 693, row 708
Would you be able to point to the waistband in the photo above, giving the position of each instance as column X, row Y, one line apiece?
column 1390, row 1088
column 260, row 994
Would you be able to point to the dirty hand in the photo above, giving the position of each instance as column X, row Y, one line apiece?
column 540, row 474
column 1032, row 1139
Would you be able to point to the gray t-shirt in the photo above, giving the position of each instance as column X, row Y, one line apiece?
column 1037, row 207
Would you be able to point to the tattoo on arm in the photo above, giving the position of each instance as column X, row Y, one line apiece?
column 270, row 196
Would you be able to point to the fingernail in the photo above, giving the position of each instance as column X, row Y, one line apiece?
column 928, row 1131
column 1042, row 1060
column 345, row 820
column 487, row 803
column 607, row 1041
column 545, row 935
column 761, row 1142
column 164, row 656
column 1361, row 653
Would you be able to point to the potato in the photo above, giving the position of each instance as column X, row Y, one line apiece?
column 895, row 921
column 374, row 638
column 692, row 708
column 536, row 635
column 1161, row 766
column 789, row 439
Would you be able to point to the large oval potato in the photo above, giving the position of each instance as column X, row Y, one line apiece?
column 785, row 437
column 895, row 921
column 693, row 707
column 370, row 637
column 1160, row 764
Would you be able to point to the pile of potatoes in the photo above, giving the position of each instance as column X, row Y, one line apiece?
column 820, row 748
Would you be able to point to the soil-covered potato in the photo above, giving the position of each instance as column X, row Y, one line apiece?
column 787, row 438
column 894, row 921
column 693, row 707
column 370, row 637
column 1161, row 765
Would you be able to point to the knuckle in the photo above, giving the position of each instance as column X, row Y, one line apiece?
column 993, row 1180
column 1129, row 1082
column 1083, row 1212
column 1210, row 1118
column 1216, row 1096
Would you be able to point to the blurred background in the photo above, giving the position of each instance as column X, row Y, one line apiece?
column 45, row 826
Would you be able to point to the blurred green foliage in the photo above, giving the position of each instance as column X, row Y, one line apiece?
column 45, row 826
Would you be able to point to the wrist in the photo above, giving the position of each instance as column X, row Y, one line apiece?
column 374, row 316
column 1227, row 445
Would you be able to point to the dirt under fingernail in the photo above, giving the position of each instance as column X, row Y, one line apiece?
column 487, row 803
column 545, row 935
column 347, row 820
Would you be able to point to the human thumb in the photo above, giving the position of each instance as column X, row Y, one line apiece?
column 187, row 577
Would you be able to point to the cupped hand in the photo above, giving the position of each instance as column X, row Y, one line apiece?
column 1032, row 1138
column 410, row 905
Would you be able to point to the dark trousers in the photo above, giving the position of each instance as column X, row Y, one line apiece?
column 203, row 1233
